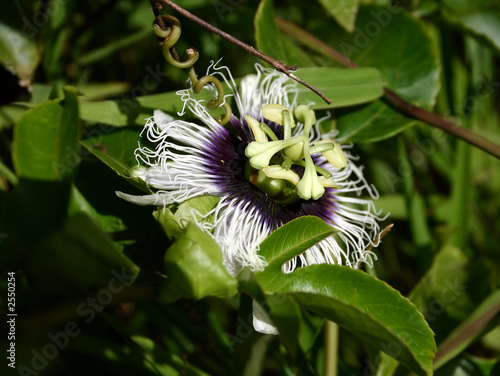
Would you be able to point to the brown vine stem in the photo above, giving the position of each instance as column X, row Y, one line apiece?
column 278, row 65
column 394, row 99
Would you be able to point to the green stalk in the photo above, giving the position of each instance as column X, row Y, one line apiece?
column 331, row 348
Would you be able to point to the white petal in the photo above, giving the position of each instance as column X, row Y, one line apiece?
column 262, row 322
column 162, row 119
column 141, row 200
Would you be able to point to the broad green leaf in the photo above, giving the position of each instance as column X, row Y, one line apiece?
column 18, row 54
column 79, row 204
column 399, row 46
column 272, row 43
column 444, row 281
column 485, row 25
column 360, row 303
column 115, row 147
column 479, row 18
column 116, row 113
column 344, row 12
column 375, row 121
column 345, row 87
column 469, row 330
column 95, row 91
column 441, row 289
column 175, row 220
column 40, row 93
column 287, row 242
column 366, row 307
column 134, row 110
column 396, row 44
column 193, row 265
column 45, row 154
column 9, row 115
column 46, row 140
column 79, row 256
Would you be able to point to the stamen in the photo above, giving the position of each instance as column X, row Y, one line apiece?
column 267, row 130
column 306, row 116
column 336, row 156
column 320, row 170
column 274, row 112
column 260, row 153
column 288, row 124
column 321, row 148
column 309, row 186
column 258, row 134
column 329, row 183
column 277, row 172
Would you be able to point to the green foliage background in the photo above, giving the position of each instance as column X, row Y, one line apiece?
column 105, row 287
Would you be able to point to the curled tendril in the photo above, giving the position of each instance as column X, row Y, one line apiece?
column 170, row 37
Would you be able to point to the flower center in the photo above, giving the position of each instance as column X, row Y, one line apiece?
column 274, row 165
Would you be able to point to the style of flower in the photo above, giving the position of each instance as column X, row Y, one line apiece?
column 271, row 167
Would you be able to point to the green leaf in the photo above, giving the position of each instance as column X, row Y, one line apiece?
column 344, row 12
column 469, row 330
column 135, row 110
column 399, row 46
column 443, row 284
column 46, row 140
column 272, row 43
column 286, row 242
column 479, row 18
column 373, row 122
column 79, row 204
column 366, row 307
column 193, row 265
column 115, row 147
column 175, row 220
column 78, row 256
column 360, row 303
column 18, row 54
column 95, row 91
column 444, row 281
column 345, row 87
column 116, row 113
column 9, row 115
